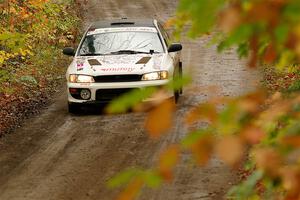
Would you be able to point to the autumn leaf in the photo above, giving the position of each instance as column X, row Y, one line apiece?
column 293, row 141
column 167, row 161
column 202, row 149
column 275, row 111
column 132, row 190
column 169, row 23
column 253, row 134
column 270, row 54
column 230, row 18
column 230, row 149
column 291, row 181
column 159, row 120
column 206, row 111
column 268, row 160
column 254, row 52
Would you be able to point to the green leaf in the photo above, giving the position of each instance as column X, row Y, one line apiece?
column 292, row 11
column 179, row 82
column 281, row 33
column 246, row 189
column 228, row 122
column 292, row 129
column 129, row 100
column 152, row 179
column 29, row 79
column 202, row 14
column 4, row 76
column 193, row 137
column 295, row 86
column 243, row 50
column 240, row 35
column 123, row 178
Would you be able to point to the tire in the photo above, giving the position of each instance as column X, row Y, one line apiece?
column 73, row 108
column 176, row 96
column 180, row 75
column 177, row 93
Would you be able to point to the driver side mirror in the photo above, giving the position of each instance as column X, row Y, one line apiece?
column 69, row 51
column 175, row 47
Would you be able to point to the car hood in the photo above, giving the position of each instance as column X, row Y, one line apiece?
column 117, row 64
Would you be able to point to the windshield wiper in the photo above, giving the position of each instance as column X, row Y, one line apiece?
column 92, row 54
column 129, row 52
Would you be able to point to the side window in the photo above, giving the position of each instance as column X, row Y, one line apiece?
column 165, row 34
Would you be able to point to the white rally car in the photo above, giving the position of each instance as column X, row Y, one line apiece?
column 117, row 56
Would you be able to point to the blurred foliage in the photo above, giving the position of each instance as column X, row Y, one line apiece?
column 260, row 130
column 32, row 32
column 266, row 31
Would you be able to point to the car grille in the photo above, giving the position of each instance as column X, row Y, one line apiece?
column 110, row 94
column 117, row 78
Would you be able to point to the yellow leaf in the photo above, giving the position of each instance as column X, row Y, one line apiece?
column 1, row 60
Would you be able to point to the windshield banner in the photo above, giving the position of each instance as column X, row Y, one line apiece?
column 122, row 29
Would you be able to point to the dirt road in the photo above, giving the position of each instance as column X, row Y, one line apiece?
column 57, row 156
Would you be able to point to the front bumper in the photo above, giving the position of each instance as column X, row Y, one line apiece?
column 93, row 87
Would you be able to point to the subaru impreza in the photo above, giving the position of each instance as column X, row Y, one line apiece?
column 117, row 56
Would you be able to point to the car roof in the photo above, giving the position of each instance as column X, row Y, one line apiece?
column 124, row 22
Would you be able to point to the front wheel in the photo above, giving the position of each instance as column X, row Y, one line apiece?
column 176, row 96
column 179, row 91
column 180, row 76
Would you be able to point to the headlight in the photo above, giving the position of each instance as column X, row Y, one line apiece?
column 73, row 78
column 155, row 76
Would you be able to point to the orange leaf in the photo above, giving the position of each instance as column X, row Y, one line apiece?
column 270, row 54
column 254, row 52
column 230, row 18
column 291, row 180
column 268, row 160
column 132, row 190
column 203, row 149
column 160, row 119
column 253, row 134
column 167, row 162
column 230, row 149
column 204, row 111
column 293, row 141
column 169, row 23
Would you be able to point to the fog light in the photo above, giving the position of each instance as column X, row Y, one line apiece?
column 73, row 91
column 85, row 94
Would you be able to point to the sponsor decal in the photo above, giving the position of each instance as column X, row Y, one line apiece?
column 118, row 69
column 80, row 65
column 85, row 84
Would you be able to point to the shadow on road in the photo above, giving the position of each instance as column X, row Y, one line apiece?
column 98, row 109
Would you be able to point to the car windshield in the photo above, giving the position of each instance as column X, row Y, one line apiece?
column 121, row 42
